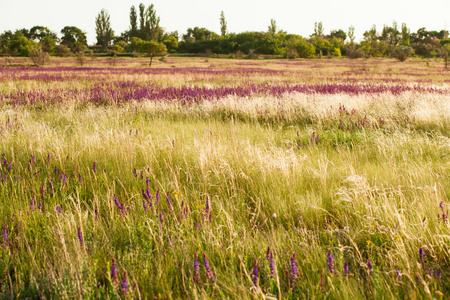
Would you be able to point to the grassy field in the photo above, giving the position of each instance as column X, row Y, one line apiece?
column 222, row 178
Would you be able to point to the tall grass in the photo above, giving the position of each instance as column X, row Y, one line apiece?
column 323, row 180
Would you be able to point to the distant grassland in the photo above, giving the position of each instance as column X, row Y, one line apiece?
column 293, row 195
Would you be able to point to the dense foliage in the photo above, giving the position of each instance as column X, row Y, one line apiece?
column 392, row 41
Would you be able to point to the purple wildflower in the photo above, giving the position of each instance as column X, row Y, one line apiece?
column 422, row 257
column 113, row 270
column 294, row 269
column 369, row 265
column 40, row 204
column 439, row 274
column 169, row 201
column 209, row 273
column 157, row 197
column 96, row 214
column 58, row 209
column 269, row 257
column 345, row 268
column 144, row 194
column 196, row 269
column 135, row 173
column 32, row 203
column 144, row 204
column 5, row 235
column 255, row 273
column 80, row 237
column 80, row 178
column 124, row 284
column 330, row 261
column 117, row 202
column 95, row 167
column 56, row 171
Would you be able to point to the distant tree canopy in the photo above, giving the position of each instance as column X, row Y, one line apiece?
column 146, row 36
column 73, row 37
column 103, row 29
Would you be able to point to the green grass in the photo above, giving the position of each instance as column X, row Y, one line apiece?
column 361, row 192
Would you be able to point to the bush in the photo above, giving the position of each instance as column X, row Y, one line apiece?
column 291, row 54
column 62, row 50
column 336, row 52
column 402, row 53
column 38, row 56
column 354, row 52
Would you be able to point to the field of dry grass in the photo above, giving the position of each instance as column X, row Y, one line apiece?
column 220, row 178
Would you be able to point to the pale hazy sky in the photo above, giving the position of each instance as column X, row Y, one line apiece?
column 242, row 15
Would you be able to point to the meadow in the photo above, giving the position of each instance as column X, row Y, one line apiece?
column 219, row 178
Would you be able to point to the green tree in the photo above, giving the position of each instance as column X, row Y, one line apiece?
column 153, row 32
column 339, row 34
column 303, row 48
column 73, row 36
column 351, row 34
column 170, row 41
column 445, row 45
column 20, row 45
column 133, row 32
column 38, row 33
column 223, row 25
column 103, row 29
column 272, row 30
column 405, row 35
column 152, row 49
column 318, row 29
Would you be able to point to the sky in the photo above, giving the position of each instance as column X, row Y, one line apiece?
column 293, row 16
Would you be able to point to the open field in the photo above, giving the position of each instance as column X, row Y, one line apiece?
column 219, row 178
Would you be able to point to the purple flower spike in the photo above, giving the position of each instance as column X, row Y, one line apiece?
column 439, row 274
column 5, row 235
column 269, row 257
column 32, row 203
column 369, row 265
column 255, row 273
column 209, row 273
column 330, row 261
column 113, row 270
column 169, row 201
column 124, row 284
column 80, row 237
column 118, row 204
column 294, row 269
column 196, row 269
column 144, row 194
column 345, row 268
column 157, row 197
column 95, row 166
column 422, row 257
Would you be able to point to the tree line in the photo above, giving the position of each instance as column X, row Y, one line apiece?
column 146, row 36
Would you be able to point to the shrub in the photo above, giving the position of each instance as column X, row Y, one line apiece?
column 336, row 52
column 62, row 50
column 402, row 53
column 38, row 56
column 353, row 52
